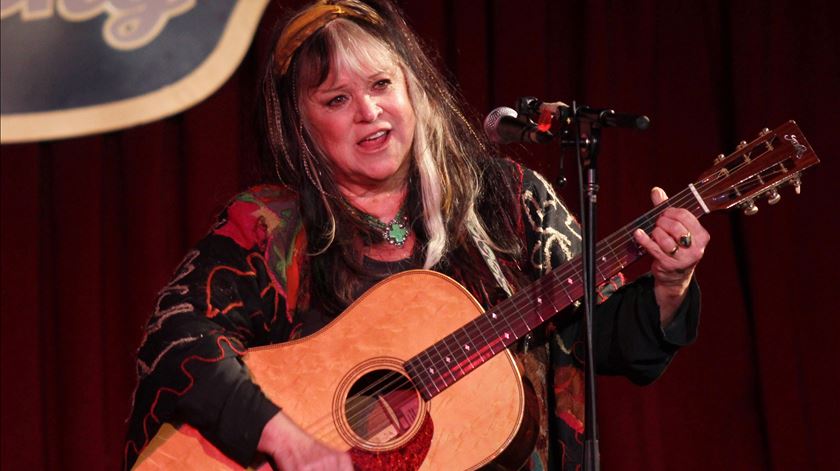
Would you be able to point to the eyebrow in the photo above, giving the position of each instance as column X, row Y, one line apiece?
column 319, row 90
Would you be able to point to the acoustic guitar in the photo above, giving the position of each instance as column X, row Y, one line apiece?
column 415, row 375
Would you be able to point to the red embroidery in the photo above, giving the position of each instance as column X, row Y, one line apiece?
column 569, row 393
column 606, row 289
column 130, row 445
column 212, row 311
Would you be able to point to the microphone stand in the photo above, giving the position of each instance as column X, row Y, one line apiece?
column 581, row 128
column 586, row 130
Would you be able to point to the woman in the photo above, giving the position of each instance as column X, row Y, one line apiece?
column 380, row 172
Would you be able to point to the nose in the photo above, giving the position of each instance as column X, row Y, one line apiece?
column 367, row 109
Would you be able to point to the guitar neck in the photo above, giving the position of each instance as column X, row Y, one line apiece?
column 776, row 157
column 456, row 355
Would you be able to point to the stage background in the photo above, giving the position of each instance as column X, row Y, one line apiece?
column 93, row 227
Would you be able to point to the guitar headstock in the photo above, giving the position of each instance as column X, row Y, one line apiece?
column 760, row 168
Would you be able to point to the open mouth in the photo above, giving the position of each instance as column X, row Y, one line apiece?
column 375, row 138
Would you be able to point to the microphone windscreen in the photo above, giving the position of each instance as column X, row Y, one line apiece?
column 491, row 122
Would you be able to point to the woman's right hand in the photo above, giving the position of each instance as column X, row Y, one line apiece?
column 292, row 449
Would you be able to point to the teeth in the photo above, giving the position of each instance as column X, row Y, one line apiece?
column 375, row 136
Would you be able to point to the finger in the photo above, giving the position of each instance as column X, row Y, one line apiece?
column 657, row 195
column 664, row 240
column 689, row 222
column 673, row 227
column 650, row 245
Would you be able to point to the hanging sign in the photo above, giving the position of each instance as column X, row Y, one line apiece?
column 76, row 67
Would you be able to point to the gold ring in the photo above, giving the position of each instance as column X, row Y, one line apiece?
column 674, row 250
column 685, row 240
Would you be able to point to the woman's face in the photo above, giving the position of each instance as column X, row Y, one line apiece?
column 364, row 122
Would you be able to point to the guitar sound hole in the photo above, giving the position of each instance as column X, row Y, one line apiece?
column 381, row 407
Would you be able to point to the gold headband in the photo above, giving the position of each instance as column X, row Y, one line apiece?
column 306, row 23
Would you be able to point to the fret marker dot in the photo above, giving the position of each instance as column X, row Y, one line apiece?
column 431, row 370
column 539, row 300
column 570, row 281
column 507, row 336
column 466, row 347
column 448, row 359
column 493, row 315
column 603, row 259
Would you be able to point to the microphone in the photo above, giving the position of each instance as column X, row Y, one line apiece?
column 502, row 126
column 533, row 107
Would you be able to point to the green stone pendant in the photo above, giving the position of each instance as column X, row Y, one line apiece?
column 397, row 233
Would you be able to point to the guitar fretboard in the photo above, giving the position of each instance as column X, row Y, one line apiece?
column 489, row 334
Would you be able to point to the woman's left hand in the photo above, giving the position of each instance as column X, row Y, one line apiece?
column 676, row 244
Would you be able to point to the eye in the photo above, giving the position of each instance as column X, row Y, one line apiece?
column 382, row 84
column 337, row 101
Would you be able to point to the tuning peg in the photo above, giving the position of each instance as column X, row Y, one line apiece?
column 741, row 145
column 769, row 142
column 797, row 184
column 719, row 158
column 773, row 196
column 749, row 207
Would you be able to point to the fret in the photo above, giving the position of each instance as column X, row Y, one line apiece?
column 508, row 335
column 428, row 370
column 507, row 329
column 492, row 317
column 438, row 368
column 415, row 372
column 542, row 299
column 615, row 256
column 600, row 272
column 466, row 346
column 507, row 310
column 561, row 285
column 538, row 311
column 489, row 344
column 452, row 359
column 520, row 327
column 477, row 346
column 567, row 293
column 554, row 309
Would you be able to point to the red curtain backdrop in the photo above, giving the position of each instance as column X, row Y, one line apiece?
column 92, row 227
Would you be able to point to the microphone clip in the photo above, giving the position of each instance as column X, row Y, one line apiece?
column 532, row 108
column 535, row 109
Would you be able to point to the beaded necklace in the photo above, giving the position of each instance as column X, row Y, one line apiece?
column 395, row 231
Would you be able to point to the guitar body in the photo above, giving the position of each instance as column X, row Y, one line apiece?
column 465, row 426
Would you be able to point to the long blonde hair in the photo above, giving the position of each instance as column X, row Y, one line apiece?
column 449, row 158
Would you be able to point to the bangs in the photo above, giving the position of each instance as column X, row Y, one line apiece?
column 345, row 45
